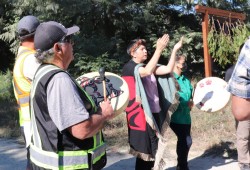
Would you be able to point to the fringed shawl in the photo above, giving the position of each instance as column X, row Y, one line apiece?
column 169, row 101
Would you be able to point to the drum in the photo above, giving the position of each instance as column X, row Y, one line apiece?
column 210, row 94
column 116, row 89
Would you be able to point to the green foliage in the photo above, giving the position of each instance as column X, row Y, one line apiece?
column 9, row 126
column 241, row 32
column 106, row 27
column 224, row 44
column 191, row 45
column 6, row 89
column 85, row 63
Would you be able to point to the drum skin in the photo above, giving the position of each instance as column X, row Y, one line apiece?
column 210, row 94
column 116, row 89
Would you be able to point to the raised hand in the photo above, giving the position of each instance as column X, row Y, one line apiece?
column 178, row 45
column 162, row 42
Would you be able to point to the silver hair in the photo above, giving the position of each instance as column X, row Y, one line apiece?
column 44, row 56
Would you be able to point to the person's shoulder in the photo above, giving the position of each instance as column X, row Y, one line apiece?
column 128, row 68
column 31, row 59
column 26, row 49
column 61, row 79
column 230, row 69
column 185, row 77
column 247, row 41
column 130, row 63
column 245, row 48
column 62, row 74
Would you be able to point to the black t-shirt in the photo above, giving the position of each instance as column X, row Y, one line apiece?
column 128, row 69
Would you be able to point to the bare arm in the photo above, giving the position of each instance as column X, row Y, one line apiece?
column 170, row 66
column 91, row 126
column 150, row 67
column 241, row 108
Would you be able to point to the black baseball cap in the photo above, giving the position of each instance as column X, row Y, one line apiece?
column 27, row 26
column 51, row 32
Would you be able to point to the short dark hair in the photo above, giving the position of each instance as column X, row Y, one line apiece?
column 134, row 44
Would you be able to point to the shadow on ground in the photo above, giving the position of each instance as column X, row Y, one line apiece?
column 217, row 157
column 119, row 160
column 12, row 155
column 124, row 164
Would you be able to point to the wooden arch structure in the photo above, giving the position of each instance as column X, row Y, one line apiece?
column 206, row 11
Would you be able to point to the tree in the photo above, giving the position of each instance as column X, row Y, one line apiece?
column 108, row 26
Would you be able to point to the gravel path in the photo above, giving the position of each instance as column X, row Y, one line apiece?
column 12, row 156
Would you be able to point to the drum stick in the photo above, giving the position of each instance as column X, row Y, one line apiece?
column 102, row 77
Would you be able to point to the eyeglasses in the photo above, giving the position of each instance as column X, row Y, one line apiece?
column 67, row 39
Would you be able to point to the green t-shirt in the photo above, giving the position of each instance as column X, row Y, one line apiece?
column 182, row 114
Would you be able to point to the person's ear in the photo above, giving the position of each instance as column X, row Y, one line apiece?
column 57, row 48
column 132, row 54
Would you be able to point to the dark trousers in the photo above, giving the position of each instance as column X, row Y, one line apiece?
column 143, row 165
column 184, row 142
column 28, row 150
column 148, row 165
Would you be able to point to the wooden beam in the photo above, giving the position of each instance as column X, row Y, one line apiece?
column 219, row 12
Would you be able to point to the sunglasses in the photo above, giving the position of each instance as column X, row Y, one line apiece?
column 67, row 39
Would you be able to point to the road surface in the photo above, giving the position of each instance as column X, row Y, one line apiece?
column 13, row 156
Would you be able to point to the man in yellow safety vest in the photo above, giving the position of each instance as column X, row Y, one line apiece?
column 23, row 73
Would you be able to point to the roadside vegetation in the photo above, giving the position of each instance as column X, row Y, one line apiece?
column 8, row 108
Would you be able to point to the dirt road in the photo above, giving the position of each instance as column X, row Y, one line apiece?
column 12, row 156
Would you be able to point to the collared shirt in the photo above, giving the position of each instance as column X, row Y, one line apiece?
column 239, row 84
column 182, row 114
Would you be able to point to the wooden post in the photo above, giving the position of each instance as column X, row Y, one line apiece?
column 207, row 57
column 206, row 11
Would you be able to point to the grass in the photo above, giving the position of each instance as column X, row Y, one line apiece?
column 115, row 132
column 212, row 133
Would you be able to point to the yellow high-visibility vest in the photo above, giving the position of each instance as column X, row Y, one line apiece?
column 22, row 84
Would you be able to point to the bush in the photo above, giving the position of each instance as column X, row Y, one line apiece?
column 9, row 126
column 6, row 89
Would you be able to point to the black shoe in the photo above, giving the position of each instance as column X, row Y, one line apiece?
column 182, row 168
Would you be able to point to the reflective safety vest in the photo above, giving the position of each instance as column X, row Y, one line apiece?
column 22, row 85
column 55, row 152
